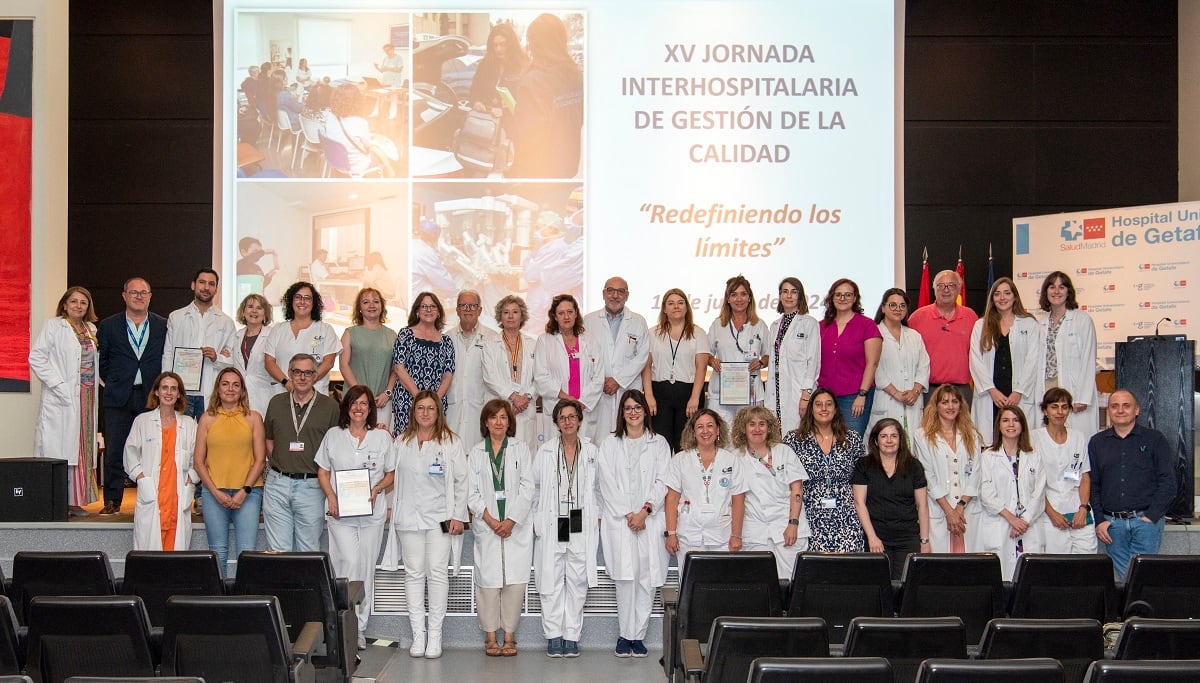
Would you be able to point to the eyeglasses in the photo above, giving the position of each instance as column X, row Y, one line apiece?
column 303, row 373
column 843, row 295
column 139, row 293
column 428, row 307
column 464, row 307
column 568, row 417
column 635, row 408
column 896, row 305
column 609, row 291
column 945, row 286
column 302, row 297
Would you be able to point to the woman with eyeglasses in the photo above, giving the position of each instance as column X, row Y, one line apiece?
column 903, row 372
column 1004, row 356
column 1012, row 491
column 367, row 352
column 566, row 524
column 631, row 481
column 304, row 332
column 1067, row 358
column 422, row 358
column 795, row 356
column 850, row 349
column 738, row 337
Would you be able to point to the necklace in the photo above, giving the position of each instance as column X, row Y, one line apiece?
column 514, row 355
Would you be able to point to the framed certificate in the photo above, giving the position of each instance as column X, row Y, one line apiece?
column 735, row 384
column 353, row 489
column 188, row 363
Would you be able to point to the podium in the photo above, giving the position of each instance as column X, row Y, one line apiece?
column 1159, row 371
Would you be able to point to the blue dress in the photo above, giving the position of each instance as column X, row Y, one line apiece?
column 426, row 362
column 835, row 529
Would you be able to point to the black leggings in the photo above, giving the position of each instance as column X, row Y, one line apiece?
column 672, row 400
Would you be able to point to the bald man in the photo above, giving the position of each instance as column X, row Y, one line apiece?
column 624, row 341
column 945, row 327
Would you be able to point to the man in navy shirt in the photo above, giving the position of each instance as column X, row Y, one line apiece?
column 1133, row 483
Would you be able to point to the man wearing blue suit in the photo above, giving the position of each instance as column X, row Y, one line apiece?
column 131, row 348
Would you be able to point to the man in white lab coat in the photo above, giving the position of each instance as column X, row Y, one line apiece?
column 624, row 341
column 201, row 325
column 467, row 394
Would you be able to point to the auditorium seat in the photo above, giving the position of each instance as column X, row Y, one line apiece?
column 134, row 679
column 838, row 587
column 1162, row 671
column 820, row 670
column 1036, row 670
column 906, row 641
column 1065, row 587
column 735, row 642
column 236, row 639
column 58, row 573
column 967, row 586
column 88, row 635
column 308, row 591
column 17, row 679
column 155, row 576
column 1163, row 587
column 1142, row 638
column 1075, row 643
column 11, row 649
column 716, row 584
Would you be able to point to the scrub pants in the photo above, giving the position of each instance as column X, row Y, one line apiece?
column 564, row 592
column 426, row 559
column 354, row 546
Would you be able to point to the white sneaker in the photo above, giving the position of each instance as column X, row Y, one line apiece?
column 362, row 642
column 433, row 645
column 418, row 645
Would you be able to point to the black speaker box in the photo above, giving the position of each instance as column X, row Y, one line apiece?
column 33, row 490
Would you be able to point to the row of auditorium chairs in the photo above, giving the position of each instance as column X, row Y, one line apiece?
column 734, row 642
column 302, row 583
column 1040, row 670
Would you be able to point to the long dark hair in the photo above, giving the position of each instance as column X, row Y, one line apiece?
column 808, row 424
column 831, row 310
column 904, row 457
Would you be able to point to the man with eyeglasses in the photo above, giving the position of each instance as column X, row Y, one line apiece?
column 201, row 325
column 466, row 395
column 295, row 424
column 945, row 326
column 131, row 348
column 624, row 341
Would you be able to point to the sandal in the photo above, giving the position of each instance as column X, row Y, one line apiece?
column 490, row 647
column 509, row 649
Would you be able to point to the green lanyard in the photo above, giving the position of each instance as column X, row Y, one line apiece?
column 496, row 460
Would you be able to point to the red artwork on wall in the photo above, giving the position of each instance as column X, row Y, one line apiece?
column 16, row 145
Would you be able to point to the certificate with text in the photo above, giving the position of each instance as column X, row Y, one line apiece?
column 353, row 489
column 188, row 363
column 735, row 384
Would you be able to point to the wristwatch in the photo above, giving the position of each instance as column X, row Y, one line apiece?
column 668, row 534
column 924, row 541
column 794, row 521
column 248, row 489
column 862, row 392
column 648, row 508
column 961, row 502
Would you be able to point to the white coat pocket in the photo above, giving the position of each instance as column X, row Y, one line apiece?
column 147, row 492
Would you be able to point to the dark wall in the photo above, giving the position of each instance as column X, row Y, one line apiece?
column 1031, row 107
column 1011, row 109
column 141, row 147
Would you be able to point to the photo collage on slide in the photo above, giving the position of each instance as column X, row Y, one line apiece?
column 410, row 151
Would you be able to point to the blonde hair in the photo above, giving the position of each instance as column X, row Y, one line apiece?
column 743, row 418
column 931, row 423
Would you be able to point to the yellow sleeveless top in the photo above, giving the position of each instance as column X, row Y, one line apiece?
column 230, row 444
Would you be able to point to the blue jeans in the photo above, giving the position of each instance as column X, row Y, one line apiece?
column 857, row 424
column 195, row 407
column 1131, row 537
column 293, row 513
column 245, row 524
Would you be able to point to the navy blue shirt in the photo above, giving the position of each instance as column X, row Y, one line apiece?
column 1132, row 473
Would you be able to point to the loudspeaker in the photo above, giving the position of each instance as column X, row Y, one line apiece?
column 33, row 490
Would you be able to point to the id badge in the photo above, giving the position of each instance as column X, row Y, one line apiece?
column 708, row 508
column 500, row 496
column 295, row 446
column 436, row 470
column 828, row 503
column 564, row 507
column 1072, row 475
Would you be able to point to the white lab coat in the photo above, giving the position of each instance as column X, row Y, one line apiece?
column 54, row 358
column 704, row 512
column 623, row 360
column 409, row 507
column 752, row 342
column 466, row 395
column 498, row 383
column 901, row 364
column 501, row 562
column 951, row 474
column 259, row 385
column 552, row 374
column 798, row 364
column 143, row 455
column 1076, row 348
column 998, row 491
column 318, row 340
column 1024, row 343
column 622, row 546
column 187, row 327
column 546, row 464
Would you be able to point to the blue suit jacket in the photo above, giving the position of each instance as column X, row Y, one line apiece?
column 118, row 363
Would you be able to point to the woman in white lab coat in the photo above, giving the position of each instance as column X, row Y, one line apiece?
column 631, row 474
column 737, row 336
column 1004, row 356
column 1067, row 358
column 1012, row 490
column 429, row 514
column 508, row 367
column 706, row 495
column 500, row 497
column 903, row 373
column 158, row 458
column 1069, row 524
column 567, row 362
column 795, row 351
column 948, row 445
column 64, row 358
column 254, row 313
column 566, row 524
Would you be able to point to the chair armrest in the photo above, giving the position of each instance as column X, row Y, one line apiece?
column 897, row 596
column 670, row 596
column 306, row 643
column 670, row 611
column 118, row 585
column 356, row 592
column 785, row 596
column 229, row 585
column 156, row 644
column 693, row 660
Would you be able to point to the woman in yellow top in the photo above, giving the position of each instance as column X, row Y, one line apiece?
column 231, row 450
column 158, row 456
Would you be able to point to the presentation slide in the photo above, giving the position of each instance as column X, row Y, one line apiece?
column 540, row 148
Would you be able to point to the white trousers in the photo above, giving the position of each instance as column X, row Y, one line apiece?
column 354, row 552
column 426, row 560
column 564, row 592
column 1063, row 542
column 785, row 556
column 635, row 599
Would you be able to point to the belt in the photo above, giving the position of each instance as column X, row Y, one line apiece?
column 1125, row 514
column 294, row 475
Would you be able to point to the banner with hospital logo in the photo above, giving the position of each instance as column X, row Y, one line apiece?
column 1134, row 268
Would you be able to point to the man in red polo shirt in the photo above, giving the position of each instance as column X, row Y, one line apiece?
column 946, row 328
